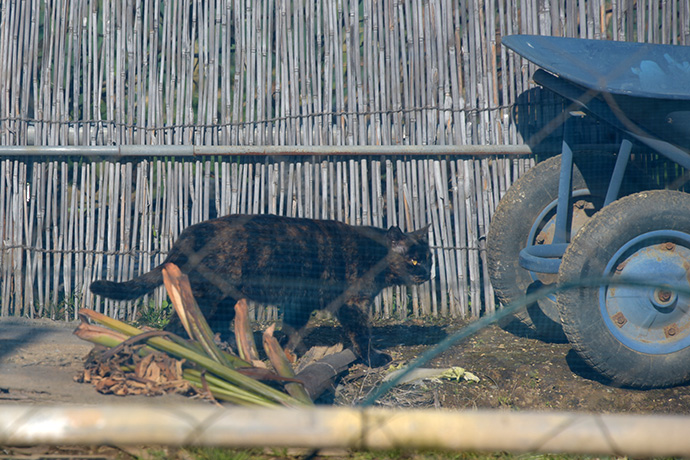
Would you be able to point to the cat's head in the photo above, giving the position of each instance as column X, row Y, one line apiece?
column 409, row 255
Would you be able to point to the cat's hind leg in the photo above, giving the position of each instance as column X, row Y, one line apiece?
column 220, row 316
column 295, row 320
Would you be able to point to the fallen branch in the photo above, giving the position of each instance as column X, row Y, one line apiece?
column 320, row 375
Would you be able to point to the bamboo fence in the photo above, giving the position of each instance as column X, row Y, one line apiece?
column 289, row 72
column 66, row 223
column 278, row 73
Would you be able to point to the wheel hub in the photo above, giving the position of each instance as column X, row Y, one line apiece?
column 651, row 313
column 663, row 299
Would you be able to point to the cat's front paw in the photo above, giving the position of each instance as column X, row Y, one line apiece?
column 377, row 359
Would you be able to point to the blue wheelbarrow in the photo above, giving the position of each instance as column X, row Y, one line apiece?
column 578, row 217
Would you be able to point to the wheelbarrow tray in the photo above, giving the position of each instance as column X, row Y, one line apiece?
column 639, row 88
column 624, row 68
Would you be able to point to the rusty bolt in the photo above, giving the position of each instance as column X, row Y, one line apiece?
column 669, row 246
column 620, row 319
column 671, row 330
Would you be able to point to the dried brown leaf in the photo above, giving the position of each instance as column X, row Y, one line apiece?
column 244, row 334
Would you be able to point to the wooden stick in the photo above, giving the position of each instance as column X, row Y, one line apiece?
column 352, row 428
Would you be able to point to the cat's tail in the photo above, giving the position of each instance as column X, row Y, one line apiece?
column 129, row 290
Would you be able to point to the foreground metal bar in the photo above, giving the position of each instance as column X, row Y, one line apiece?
column 198, row 424
column 278, row 150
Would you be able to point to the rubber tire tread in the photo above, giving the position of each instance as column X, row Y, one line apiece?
column 507, row 236
column 586, row 258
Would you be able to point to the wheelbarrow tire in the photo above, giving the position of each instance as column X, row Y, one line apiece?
column 511, row 226
column 633, row 335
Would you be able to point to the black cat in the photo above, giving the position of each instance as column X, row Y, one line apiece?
column 301, row 265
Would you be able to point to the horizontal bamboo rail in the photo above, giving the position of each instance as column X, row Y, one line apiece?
column 277, row 150
column 352, row 428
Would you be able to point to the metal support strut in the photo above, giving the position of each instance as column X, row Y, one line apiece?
column 546, row 258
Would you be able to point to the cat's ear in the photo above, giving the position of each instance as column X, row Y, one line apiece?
column 394, row 233
column 396, row 239
column 422, row 234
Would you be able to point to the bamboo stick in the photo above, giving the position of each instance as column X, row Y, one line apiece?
column 460, row 226
column 5, row 307
column 472, row 237
column 432, row 217
column 69, row 266
column 18, row 185
column 353, row 428
column 29, row 259
column 298, row 203
column 56, row 241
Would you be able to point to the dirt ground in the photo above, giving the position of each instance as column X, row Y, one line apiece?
column 522, row 373
column 39, row 359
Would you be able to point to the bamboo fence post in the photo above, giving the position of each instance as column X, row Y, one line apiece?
column 298, row 203
column 133, row 240
column 5, row 307
column 38, row 188
column 426, row 182
column 472, row 237
column 56, row 241
column 326, row 192
column 16, row 239
column 244, row 185
column 79, row 247
column 483, row 230
column 89, row 231
column 460, row 236
column 29, row 257
column 70, row 282
column 364, row 202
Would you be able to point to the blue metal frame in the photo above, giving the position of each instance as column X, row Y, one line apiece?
column 546, row 258
column 540, row 259
column 581, row 84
